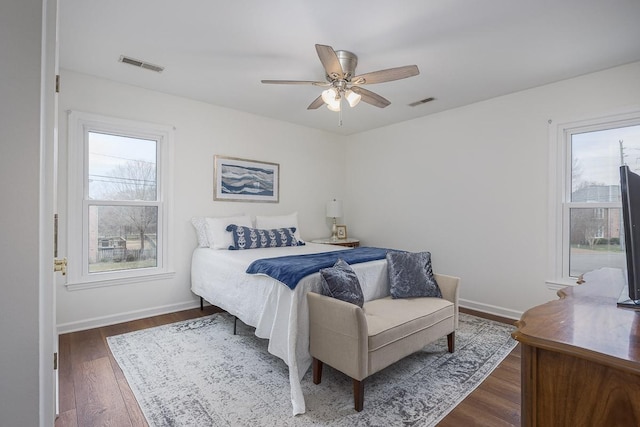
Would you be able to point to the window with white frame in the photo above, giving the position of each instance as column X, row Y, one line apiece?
column 119, row 192
column 586, row 231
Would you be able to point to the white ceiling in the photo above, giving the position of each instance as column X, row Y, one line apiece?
column 467, row 51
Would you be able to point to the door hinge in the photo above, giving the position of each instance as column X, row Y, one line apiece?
column 55, row 361
column 60, row 264
column 57, row 83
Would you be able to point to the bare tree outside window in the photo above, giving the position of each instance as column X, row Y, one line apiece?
column 587, row 228
column 123, row 209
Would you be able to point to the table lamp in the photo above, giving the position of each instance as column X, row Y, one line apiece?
column 334, row 210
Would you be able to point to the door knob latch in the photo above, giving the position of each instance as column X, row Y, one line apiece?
column 60, row 264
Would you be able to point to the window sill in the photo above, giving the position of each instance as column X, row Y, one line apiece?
column 78, row 286
column 557, row 284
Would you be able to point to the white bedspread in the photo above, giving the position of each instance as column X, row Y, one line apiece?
column 278, row 313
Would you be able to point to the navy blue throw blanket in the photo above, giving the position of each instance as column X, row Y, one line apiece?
column 290, row 269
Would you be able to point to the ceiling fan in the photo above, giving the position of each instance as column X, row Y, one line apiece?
column 342, row 83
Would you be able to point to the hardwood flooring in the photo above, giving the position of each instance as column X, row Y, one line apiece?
column 94, row 392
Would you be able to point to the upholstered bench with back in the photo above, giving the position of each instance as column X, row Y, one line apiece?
column 360, row 341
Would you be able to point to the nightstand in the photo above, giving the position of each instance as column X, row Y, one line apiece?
column 349, row 242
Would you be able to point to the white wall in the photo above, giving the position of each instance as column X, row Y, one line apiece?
column 20, row 86
column 310, row 174
column 470, row 185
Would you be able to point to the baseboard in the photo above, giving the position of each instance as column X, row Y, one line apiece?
column 491, row 309
column 97, row 322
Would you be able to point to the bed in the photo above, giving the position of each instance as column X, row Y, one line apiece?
column 278, row 313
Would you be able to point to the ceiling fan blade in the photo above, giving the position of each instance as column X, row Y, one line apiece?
column 295, row 82
column 387, row 75
column 370, row 97
column 329, row 61
column 317, row 103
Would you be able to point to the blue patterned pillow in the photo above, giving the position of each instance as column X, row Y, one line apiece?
column 411, row 275
column 341, row 282
column 255, row 238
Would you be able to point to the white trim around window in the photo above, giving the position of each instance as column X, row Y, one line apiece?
column 560, row 188
column 80, row 125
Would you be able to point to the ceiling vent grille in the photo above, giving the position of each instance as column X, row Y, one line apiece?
column 422, row 101
column 140, row 64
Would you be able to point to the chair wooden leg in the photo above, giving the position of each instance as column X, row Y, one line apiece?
column 451, row 342
column 358, row 394
column 317, row 370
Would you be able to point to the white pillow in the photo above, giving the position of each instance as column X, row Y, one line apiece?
column 217, row 234
column 200, row 224
column 280, row 221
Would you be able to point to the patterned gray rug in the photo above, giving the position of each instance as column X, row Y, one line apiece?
column 197, row 373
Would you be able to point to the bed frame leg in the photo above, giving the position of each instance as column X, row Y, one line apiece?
column 201, row 303
column 235, row 321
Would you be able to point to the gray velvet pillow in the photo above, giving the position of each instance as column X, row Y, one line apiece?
column 341, row 282
column 411, row 275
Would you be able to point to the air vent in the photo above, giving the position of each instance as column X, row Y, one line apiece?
column 422, row 101
column 140, row 64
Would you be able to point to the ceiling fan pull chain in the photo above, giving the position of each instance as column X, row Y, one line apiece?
column 340, row 114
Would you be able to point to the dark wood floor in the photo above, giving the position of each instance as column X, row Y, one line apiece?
column 94, row 392
column 496, row 402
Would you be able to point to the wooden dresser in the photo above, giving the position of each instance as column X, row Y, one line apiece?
column 581, row 357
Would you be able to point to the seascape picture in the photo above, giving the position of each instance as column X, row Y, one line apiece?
column 245, row 180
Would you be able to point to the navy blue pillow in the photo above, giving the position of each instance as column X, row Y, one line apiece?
column 411, row 275
column 255, row 238
column 341, row 282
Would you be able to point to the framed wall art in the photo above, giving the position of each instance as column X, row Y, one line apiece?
column 243, row 180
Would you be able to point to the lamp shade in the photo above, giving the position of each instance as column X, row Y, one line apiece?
column 331, row 97
column 352, row 98
column 334, row 208
column 335, row 106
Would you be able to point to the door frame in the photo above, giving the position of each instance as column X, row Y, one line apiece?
column 48, row 337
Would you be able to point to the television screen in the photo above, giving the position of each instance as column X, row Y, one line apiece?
column 630, row 189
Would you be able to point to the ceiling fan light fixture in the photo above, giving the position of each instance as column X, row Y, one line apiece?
column 342, row 81
column 352, row 98
column 331, row 97
column 334, row 106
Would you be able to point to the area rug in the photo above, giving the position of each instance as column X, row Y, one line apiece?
column 197, row 373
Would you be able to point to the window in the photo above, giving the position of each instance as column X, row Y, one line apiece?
column 586, row 230
column 119, row 187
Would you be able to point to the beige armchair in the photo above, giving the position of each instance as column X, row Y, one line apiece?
column 361, row 341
